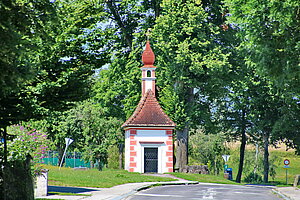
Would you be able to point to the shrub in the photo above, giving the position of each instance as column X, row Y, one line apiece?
column 208, row 149
column 27, row 142
column 253, row 178
column 113, row 157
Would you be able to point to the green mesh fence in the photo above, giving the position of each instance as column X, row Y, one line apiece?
column 72, row 159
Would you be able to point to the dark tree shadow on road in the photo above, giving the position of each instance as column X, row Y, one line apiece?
column 61, row 189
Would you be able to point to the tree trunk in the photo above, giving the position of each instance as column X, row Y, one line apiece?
column 4, row 165
column 100, row 165
column 182, row 136
column 5, row 145
column 60, row 155
column 266, row 157
column 114, row 11
column 242, row 149
column 156, row 8
column 17, row 180
column 121, row 148
column 182, row 148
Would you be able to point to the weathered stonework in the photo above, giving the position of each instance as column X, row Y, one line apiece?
column 41, row 184
column 196, row 169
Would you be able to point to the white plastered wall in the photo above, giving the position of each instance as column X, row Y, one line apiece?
column 144, row 139
column 127, row 149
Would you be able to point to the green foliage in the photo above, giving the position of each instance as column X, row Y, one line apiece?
column 49, row 50
column 50, row 69
column 113, row 157
column 92, row 130
column 188, row 57
column 27, row 142
column 208, row 149
column 270, row 31
column 20, row 22
column 285, row 127
column 253, row 164
column 253, row 178
column 17, row 180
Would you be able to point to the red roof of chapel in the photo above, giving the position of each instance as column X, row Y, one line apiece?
column 148, row 113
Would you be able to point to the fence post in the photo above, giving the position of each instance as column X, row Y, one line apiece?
column 74, row 159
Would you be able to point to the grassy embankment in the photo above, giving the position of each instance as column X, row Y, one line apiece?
column 109, row 178
column 94, row 178
column 281, row 172
column 280, row 178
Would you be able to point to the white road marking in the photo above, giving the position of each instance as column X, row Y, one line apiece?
column 159, row 195
column 209, row 194
column 245, row 192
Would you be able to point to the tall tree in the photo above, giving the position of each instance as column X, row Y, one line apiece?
column 266, row 112
column 21, row 22
column 233, row 112
column 189, row 57
column 270, row 30
column 50, row 57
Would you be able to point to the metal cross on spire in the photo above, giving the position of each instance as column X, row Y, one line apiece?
column 148, row 34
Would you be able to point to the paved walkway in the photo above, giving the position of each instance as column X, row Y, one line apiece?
column 289, row 192
column 120, row 192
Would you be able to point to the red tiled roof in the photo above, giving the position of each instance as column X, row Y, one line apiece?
column 148, row 113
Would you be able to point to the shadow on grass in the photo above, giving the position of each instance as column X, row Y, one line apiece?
column 74, row 190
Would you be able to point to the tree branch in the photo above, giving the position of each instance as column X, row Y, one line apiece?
column 114, row 11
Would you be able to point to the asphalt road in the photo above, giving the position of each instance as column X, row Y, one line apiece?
column 206, row 191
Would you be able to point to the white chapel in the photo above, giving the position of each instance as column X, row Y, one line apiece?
column 149, row 131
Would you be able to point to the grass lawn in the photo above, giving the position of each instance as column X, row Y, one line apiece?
column 291, row 172
column 94, row 178
column 280, row 155
column 205, row 178
column 109, row 178
column 47, row 199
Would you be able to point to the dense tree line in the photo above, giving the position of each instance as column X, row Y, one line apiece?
column 72, row 69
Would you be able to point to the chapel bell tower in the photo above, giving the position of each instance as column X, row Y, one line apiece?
column 148, row 70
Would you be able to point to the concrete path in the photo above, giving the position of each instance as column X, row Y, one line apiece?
column 291, row 193
column 120, row 192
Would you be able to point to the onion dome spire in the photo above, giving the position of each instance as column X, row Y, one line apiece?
column 148, row 56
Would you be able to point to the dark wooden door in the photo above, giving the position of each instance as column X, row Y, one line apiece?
column 150, row 160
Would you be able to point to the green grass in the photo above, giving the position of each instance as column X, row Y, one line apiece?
column 95, row 178
column 109, row 178
column 47, row 199
column 292, row 171
column 68, row 194
column 205, row 178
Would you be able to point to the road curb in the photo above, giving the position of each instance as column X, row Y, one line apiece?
column 144, row 187
column 281, row 194
column 166, row 183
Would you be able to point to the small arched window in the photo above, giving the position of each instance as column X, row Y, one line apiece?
column 148, row 73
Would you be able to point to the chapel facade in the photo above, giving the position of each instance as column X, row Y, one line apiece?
column 149, row 131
